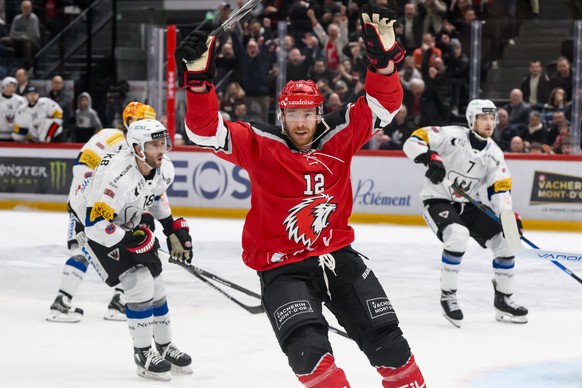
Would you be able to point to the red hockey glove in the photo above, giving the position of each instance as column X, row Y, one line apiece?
column 378, row 35
column 195, row 60
column 143, row 246
column 179, row 240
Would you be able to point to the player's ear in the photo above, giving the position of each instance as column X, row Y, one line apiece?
column 318, row 119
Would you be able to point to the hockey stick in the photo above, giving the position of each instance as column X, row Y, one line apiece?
column 203, row 275
column 542, row 254
column 197, row 273
column 235, row 17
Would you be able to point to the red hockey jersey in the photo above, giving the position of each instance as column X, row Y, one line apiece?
column 300, row 200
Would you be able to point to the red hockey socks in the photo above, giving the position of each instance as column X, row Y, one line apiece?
column 408, row 376
column 325, row 375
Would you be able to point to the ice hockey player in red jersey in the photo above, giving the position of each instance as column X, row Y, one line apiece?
column 296, row 234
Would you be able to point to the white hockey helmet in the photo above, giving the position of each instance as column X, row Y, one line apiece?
column 479, row 107
column 8, row 81
column 142, row 131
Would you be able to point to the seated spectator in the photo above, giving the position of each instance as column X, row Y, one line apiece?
column 320, row 71
column 518, row 110
column 458, row 69
column 241, row 113
column 557, row 101
column 24, row 34
column 517, row 145
column 333, row 103
column 562, row 78
column 59, row 94
column 563, row 135
column 408, row 72
column 535, row 131
column 396, row 133
column 412, row 28
column 536, row 85
column 566, row 146
column 22, row 78
column 324, row 88
column 428, row 43
column 556, row 125
column 537, row 148
column 504, row 131
column 87, row 121
column 233, row 96
column 39, row 121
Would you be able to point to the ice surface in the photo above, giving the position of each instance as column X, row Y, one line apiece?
column 232, row 348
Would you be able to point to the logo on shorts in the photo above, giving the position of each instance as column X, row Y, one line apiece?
column 290, row 310
column 444, row 214
column 114, row 254
column 379, row 306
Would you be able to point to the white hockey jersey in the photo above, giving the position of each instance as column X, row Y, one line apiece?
column 39, row 123
column 106, row 141
column 8, row 108
column 469, row 168
column 111, row 202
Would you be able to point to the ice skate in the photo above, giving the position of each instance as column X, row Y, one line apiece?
column 180, row 361
column 506, row 310
column 63, row 311
column 451, row 310
column 116, row 308
column 150, row 365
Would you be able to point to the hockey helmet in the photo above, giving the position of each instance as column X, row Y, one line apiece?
column 479, row 107
column 8, row 81
column 137, row 111
column 142, row 131
column 301, row 94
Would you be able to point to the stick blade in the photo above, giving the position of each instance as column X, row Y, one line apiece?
column 512, row 236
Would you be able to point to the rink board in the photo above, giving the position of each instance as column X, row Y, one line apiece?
column 547, row 190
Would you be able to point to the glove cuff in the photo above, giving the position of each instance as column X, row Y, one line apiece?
column 425, row 157
column 145, row 245
column 177, row 224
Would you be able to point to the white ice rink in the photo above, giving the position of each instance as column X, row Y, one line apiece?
column 232, row 348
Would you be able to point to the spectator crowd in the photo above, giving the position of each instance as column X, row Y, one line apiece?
column 322, row 43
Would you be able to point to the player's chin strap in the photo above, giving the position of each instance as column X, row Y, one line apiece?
column 327, row 260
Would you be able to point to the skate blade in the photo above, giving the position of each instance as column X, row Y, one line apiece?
column 114, row 315
column 58, row 316
column 162, row 376
column 510, row 318
column 455, row 322
column 184, row 370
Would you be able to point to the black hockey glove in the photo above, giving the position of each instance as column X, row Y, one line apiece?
column 179, row 240
column 378, row 35
column 148, row 221
column 436, row 170
column 143, row 247
column 195, row 60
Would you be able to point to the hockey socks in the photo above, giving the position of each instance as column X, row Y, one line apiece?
column 408, row 375
column 325, row 375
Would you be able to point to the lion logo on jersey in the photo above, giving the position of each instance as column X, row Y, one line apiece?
column 309, row 218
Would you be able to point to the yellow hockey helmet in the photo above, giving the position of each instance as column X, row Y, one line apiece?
column 137, row 111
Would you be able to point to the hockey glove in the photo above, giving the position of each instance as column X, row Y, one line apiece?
column 195, row 60
column 179, row 240
column 378, row 35
column 436, row 170
column 143, row 247
column 148, row 221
